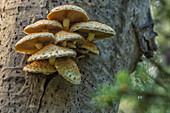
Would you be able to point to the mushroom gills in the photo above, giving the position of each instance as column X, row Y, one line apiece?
column 45, row 30
column 66, row 24
column 83, row 51
column 81, row 56
column 38, row 45
column 90, row 37
column 52, row 60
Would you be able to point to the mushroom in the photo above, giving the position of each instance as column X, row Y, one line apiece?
column 68, row 69
column 93, row 30
column 52, row 52
column 88, row 48
column 43, row 26
column 71, row 45
column 63, row 37
column 31, row 43
column 68, row 14
column 40, row 67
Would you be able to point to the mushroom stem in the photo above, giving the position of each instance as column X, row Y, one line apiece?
column 46, row 73
column 90, row 37
column 71, row 45
column 38, row 45
column 66, row 24
column 74, row 42
column 52, row 60
column 87, row 51
column 64, row 44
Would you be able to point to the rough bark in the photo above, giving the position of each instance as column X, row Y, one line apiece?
column 32, row 93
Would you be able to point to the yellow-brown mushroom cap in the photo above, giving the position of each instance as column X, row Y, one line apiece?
column 72, row 12
column 52, row 51
column 40, row 67
column 41, row 25
column 68, row 36
column 100, row 30
column 88, row 46
column 69, row 70
column 27, row 44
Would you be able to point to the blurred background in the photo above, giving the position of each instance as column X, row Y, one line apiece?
column 146, row 90
column 161, row 16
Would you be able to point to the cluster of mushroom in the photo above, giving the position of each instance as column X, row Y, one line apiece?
column 52, row 44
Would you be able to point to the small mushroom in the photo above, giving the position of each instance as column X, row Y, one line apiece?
column 43, row 26
column 31, row 43
column 72, row 39
column 52, row 52
column 93, row 30
column 40, row 67
column 88, row 48
column 68, row 14
column 68, row 69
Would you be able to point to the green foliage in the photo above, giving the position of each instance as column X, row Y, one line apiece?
column 109, row 93
column 150, row 94
column 161, row 17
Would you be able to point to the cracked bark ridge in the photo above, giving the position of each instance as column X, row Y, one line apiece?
column 47, row 80
column 146, row 36
column 35, row 93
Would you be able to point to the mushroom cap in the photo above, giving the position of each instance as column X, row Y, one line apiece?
column 41, row 25
column 72, row 12
column 27, row 44
column 40, row 67
column 69, row 70
column 93, row 50
column 68, row 36
column 100, row 30
column 52, row 51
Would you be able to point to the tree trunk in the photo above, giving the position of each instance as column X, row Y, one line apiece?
column 24, row 92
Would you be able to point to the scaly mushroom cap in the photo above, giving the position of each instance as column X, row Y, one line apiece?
column 52, row 51
column 27, row 44
column 40, row 67
column 42, row 25
column 72, row 12
column 88, row 48
column 69, row 70
column 68, row 36
column 100, row 30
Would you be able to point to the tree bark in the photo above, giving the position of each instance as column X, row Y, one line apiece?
column 24, row 92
